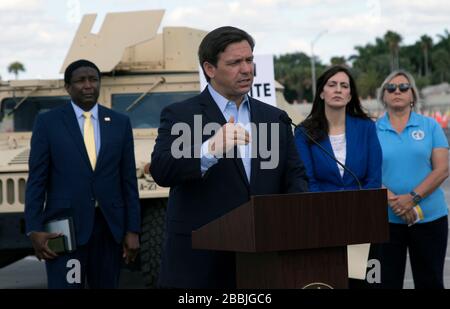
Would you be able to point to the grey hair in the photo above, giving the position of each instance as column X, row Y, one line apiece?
column 393, row 74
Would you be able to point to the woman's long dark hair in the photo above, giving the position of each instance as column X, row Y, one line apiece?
column 316, row 124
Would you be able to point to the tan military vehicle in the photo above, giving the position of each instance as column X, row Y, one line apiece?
column 142, row 72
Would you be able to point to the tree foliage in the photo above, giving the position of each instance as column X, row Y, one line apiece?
column 427, row 60
column 294, row 72
column 15, row 68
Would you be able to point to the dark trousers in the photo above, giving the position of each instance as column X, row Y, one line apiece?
column 96, row 264
column 427, row 245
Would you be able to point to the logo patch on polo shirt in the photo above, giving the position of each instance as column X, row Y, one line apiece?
column 418, row 135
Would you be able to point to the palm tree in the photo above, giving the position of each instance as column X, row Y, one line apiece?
column 15, row 68
column 338, row 61
column 393, row 40
column 426, row 42
column 444, row 38
column 441, row 61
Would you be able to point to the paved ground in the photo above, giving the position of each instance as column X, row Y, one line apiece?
column 29, row 273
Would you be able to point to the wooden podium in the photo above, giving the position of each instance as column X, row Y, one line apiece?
column 297, row 240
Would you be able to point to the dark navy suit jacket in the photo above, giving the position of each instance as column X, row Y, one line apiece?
column 363, row 157
column 195, row 200
column 62, row 179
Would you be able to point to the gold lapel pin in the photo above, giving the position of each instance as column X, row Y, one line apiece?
column 107, row 119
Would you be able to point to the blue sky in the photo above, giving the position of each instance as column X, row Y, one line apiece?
column 39, row 32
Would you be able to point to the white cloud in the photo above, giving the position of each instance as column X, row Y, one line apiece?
column 416, row 5
column 38, row 32
column 232, row 13
column 33, row 38
column 294, row 3
column 19, row 5
column 296, row 45
column 180, row 14
column 234, row 6
column 269, row 3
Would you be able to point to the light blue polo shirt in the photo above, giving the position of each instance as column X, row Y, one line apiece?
column 407, row 161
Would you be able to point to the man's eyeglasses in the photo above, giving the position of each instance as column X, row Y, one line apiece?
column 403, row 87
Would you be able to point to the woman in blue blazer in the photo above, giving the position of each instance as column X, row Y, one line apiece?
column 338, row 123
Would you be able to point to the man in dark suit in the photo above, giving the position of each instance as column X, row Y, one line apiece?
column 82, row 166
column 211, row 174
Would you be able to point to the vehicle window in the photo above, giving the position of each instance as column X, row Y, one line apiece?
column 146, row 113
column 22, row 120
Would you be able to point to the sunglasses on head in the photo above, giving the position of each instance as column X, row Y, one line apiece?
column 403, row 87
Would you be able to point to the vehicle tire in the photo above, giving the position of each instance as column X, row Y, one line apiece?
column 153, row 214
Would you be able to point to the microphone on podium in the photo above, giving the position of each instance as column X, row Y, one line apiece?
column 286, row 119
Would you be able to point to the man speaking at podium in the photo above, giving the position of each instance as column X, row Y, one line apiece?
column 218, row 170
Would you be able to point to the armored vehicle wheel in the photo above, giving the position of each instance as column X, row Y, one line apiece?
column 153, row 214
